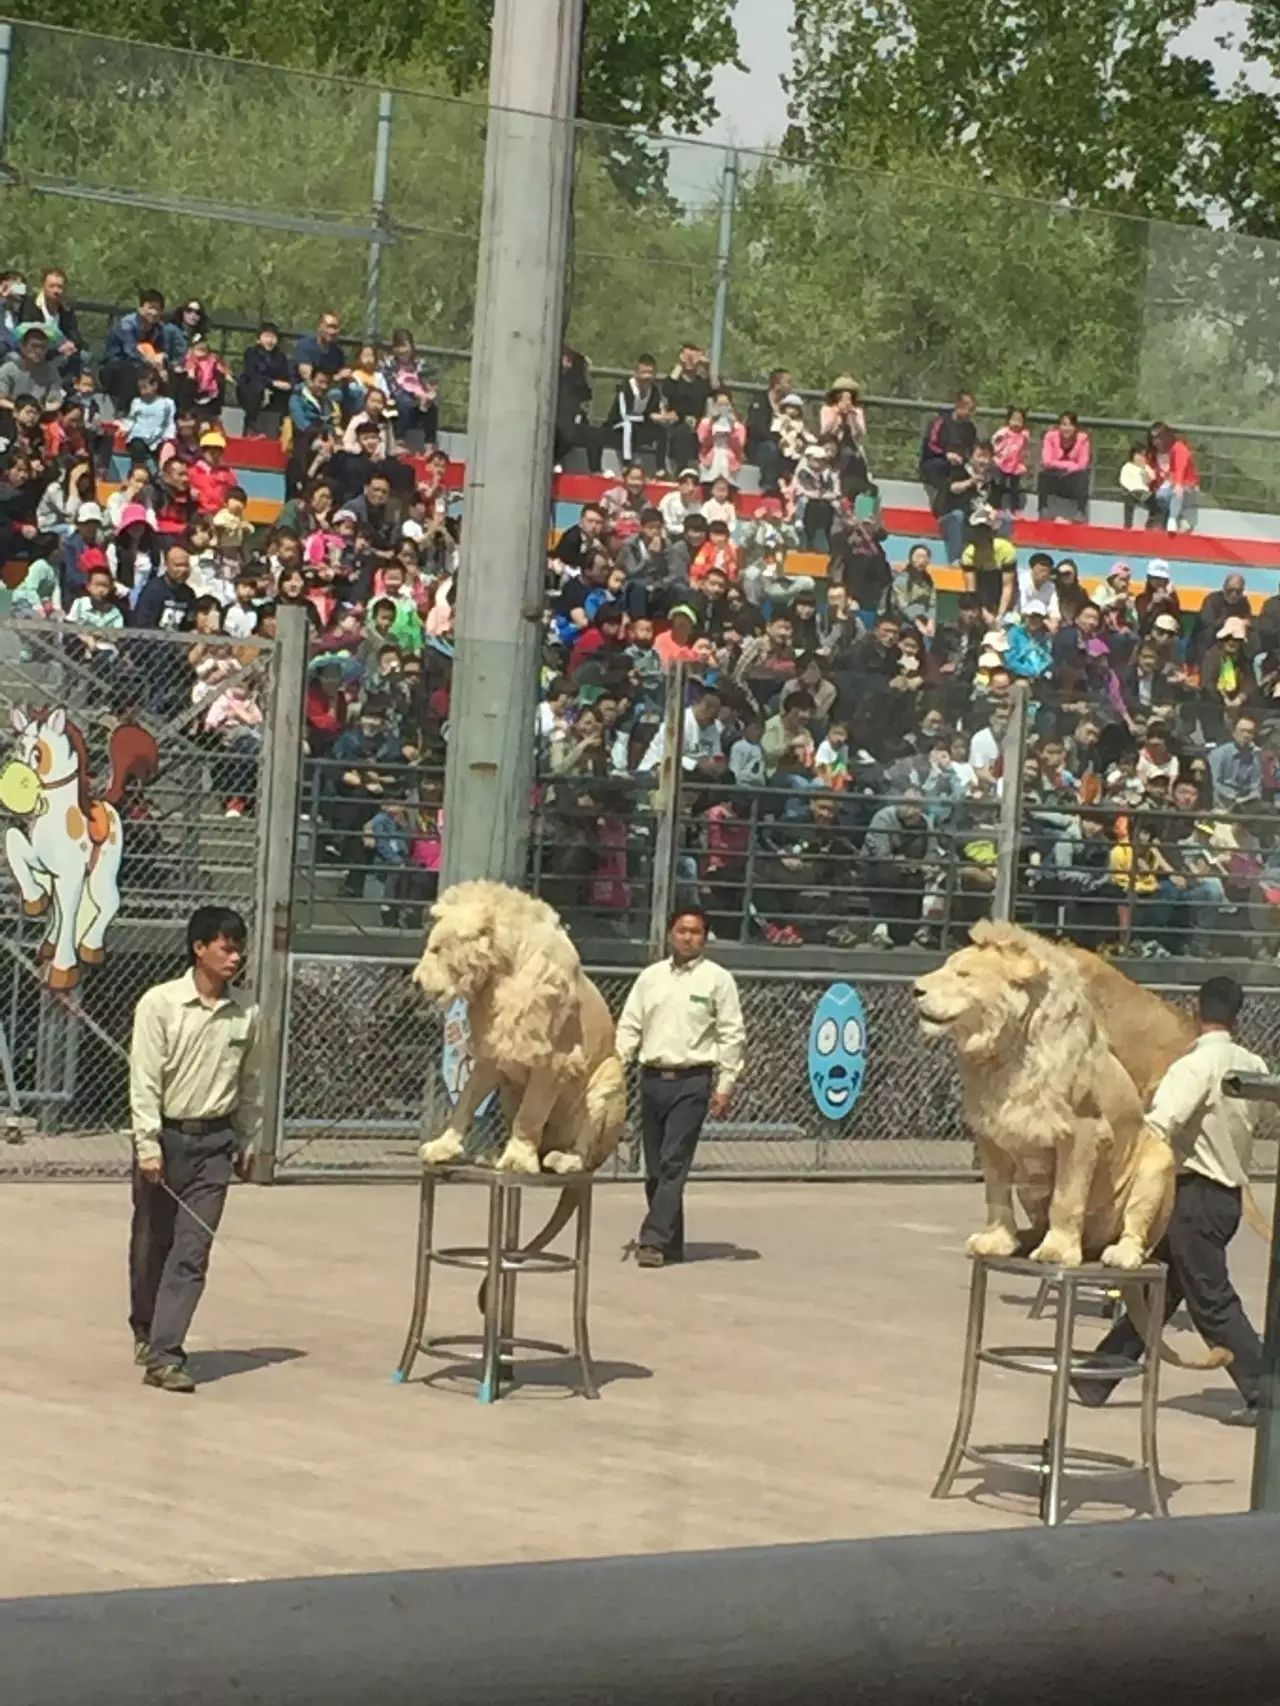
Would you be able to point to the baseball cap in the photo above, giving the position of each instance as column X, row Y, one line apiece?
column 689, row 474
column 1166, row 624
column 989, row 659
column 793, row 399
column 213, row 437
column 1234, row 628
column 89, row 512
column 683, row 610
column 1158, row 570
column 93, row 558
column 1119, row 571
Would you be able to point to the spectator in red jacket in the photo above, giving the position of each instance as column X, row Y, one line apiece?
column 1177, row 479
column 211, row 480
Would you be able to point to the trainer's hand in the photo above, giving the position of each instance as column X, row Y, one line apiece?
column 720, row 1101
column 244, row 1165
column 152, row 1170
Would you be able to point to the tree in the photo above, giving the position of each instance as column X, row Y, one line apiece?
column 646, row 63
column 1092, row 101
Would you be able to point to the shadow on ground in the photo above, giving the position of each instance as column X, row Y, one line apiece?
column 205, row 1367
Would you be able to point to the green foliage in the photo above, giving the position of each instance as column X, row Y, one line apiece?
column 646, row 63
column 1093, row 101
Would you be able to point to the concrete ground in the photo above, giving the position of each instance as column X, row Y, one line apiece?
column 795, row 1381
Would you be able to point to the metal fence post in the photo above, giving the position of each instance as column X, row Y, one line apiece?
column 6, row 60
column 378, row 207
column 1015, row 748
column 724, row 253
column 278, row 804
column 666, row 844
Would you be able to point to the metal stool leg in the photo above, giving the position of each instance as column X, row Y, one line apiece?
column 1060, row 1395
column 968, row 1381
column 489, row 1371
column 421, row 1279
column 507, row 1316
column 1154, row 1293
column 1041, row 1300
column 581, row 1282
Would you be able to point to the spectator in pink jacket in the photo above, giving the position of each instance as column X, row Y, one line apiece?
column 1065, row 455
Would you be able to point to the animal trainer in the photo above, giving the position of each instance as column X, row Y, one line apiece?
column 1058, row 1053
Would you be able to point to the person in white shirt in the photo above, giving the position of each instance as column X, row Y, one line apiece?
column 683, row 1021
column 684, row 501
column 1212, row 1137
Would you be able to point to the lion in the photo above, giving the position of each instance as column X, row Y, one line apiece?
column 541, row 1035
column 1055, row 1112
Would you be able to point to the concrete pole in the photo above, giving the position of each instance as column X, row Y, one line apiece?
column 515, row 361
column 1015, row 747
column 724, row 254
column 279, row 788
column 666, row 847
column 378, row 208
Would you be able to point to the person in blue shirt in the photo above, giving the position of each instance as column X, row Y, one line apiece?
column 135, row 343
column 320, row 352
column 1236, row 767
column 386, row 838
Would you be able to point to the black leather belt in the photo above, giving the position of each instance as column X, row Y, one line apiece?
column 197, row 1128
column 676, row 1071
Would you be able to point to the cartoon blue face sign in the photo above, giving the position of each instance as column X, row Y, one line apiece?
column 837, row 1051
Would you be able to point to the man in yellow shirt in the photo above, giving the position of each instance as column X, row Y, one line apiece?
column 683, row 1020
column 1212, row 1137
column 196, row 1103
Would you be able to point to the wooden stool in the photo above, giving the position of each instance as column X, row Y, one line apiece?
column 502, row 1261
column 1053, row 1461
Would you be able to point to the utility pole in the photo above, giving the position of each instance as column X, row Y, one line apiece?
column 515, row 363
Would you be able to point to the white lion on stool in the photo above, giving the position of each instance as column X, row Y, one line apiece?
column 541, row 1034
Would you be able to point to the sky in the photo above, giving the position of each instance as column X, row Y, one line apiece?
column 753, row 108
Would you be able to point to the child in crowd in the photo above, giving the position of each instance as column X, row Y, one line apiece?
column 1009, row 445
column 746, row 755
column 150, row 423
column 831, row 761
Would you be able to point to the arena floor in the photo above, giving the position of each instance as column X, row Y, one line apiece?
column 795, row 1381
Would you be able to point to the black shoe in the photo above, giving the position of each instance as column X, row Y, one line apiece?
column 1245, row 1417
column 648, row 1256
column 141, row 1352
column 168, row 1377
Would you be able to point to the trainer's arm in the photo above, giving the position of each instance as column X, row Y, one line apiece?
column 146, row 1086
column 630, row 1026
column 731, row 1037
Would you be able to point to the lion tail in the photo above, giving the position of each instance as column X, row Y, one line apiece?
column 606, row 1118
column 1254, row 1215
column 1214, row 1357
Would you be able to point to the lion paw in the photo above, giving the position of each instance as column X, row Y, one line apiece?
column 518, row 1157
column 1059, row 1252
column 562, row 1161
column 447, row 1147
column 1125, row 1253
column 993, row 1241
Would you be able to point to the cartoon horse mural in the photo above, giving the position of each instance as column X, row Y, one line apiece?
column 66, row 857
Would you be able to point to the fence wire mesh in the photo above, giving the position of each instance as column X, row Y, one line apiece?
column 129, row 797
column 362, row 1107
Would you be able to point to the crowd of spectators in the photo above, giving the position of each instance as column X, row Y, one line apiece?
column 844, row 739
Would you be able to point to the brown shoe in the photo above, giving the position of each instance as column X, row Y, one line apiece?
column 649, row 1257
column 168, row 1377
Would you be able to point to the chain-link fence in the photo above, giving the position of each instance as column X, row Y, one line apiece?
column 907, row 281
column 131, row 764
column 361, row 1109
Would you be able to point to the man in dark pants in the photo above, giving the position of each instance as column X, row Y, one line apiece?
column 194, row 1089
column 684, row 1022
column 1212, row 1136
